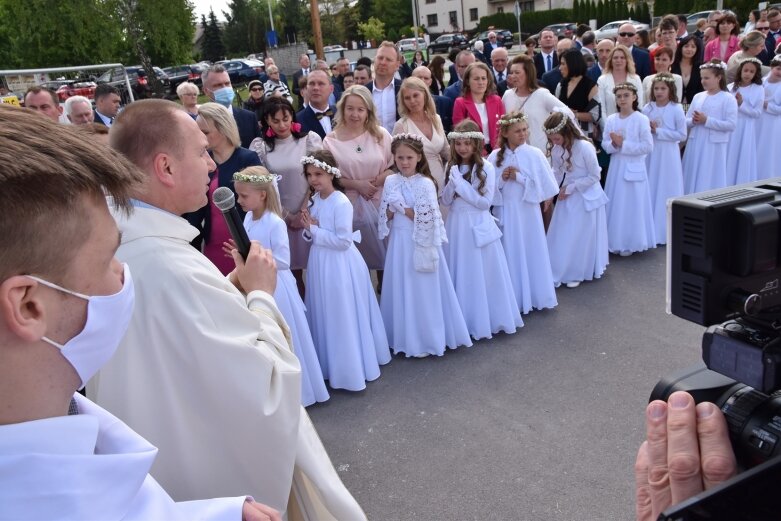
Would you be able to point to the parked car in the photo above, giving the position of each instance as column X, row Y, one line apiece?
column 243, row 71
column 611, row 30
column 180, row 73
column 334, row 48
column 562, row 30
column 67, row 88
column 503, row 36
column 408, row 44
column 446, row 42
column 139, row 82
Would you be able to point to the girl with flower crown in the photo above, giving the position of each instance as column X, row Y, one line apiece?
column 747, row 88
column 258, row 196
column 627, row 138
column 344, row 316
column 668, row 128
column 419, row 305
column 769, row 127
column 524, row 181
column 711, row 119
column 577, row 236
column 474, row 252
column 280, row 149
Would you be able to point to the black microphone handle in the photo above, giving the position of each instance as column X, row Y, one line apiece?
column 237, row 231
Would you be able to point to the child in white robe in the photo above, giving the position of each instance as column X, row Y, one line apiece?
column 258, row 196
column 627, row 138
column 474, row 252
column 668, row 127
column 577, row 236
column 524, row 181
column 711, row 119
column 742, row 164
column 769, row 127
column 419, row 305
column 344, row 316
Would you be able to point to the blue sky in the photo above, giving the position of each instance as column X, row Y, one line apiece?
column 202, row 7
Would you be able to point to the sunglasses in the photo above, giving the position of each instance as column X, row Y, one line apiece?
column 256, row 89
column 626, row 35
column 763, row 28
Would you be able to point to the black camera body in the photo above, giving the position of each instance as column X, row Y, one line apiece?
column 724, row 268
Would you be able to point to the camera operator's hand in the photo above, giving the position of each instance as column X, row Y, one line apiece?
column 687, row 450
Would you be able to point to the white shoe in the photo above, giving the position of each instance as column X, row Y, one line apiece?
column 573, row 284
column 625, row 253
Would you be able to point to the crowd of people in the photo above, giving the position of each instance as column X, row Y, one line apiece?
column 472, row 202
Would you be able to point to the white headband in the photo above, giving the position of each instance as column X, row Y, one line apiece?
column 465, row 135
column 309, row 160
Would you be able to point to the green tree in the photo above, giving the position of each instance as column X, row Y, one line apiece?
column 396, row 14
column 210, row 42
column 576, row 12
column 245, row 28
column 40, row 33
column 374, row 29
column 295, row 15
column 161, row 30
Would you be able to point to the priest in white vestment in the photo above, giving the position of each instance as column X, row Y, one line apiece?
column 207, row 373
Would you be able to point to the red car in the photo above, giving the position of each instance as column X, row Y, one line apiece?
column 67, row 88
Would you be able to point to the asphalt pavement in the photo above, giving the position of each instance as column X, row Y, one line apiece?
column 540, row 425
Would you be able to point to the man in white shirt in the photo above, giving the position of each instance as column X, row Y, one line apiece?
column 65, row 302
column 385, row 87
column 303, row 62
column 547, row 59
column 499, row 69
column 318, row 115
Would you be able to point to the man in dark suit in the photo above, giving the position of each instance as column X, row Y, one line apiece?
column 384, row 87
column 603, row 51
column 463, row 60
column 303, row 62
column 342, row 68
column 626, row 37
column 547, row 59
column 452, row 69
column 217, row 86
column 107, row 100
column 443, row 104
column 491, row 44
column 499, row 69
column 552, row 78
column 774, row 20
column 318, row 116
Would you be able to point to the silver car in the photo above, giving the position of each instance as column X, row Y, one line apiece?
column 611, row 30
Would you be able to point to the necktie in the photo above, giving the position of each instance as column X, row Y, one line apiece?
column 306, row 73
column 328, row 113
column 499, row 77
column 549, row 64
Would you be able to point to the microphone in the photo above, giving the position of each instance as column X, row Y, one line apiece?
column 225, row 201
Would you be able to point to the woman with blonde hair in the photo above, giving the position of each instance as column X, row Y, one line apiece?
column 479, row 102
column 751, row 46
column 619, row 68
column 365, row 160
column 418, row 116
column 224, row 144
column 188, row 95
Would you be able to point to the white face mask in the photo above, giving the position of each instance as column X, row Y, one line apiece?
column 108, row 318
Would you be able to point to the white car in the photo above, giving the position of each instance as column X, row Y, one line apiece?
column 408, row 44
column 334, row 48
column 611, row 30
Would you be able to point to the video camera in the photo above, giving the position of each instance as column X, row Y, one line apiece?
column 724, row 268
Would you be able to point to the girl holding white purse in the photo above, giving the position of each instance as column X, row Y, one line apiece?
column 474, row 253
column 419, row 306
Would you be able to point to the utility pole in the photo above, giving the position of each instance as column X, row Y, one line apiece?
column 317, row 32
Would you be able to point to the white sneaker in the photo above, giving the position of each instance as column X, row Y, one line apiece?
column 573, row 284
column 625, row 253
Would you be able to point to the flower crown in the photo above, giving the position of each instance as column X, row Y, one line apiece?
column 665, row 77
column 558, row 128
column 719, row 65
column 259, row 179
column 452, row 136
column 625, row 86
column 404, row 135
column 309, row 160
column 521, row 118
column 750, row 60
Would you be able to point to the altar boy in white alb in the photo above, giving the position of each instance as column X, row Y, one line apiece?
column 65, row 303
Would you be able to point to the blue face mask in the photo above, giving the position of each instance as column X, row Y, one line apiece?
column 224, row 96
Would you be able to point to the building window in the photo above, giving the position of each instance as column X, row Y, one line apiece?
column 454, row 18
column 473, row 14
column 500, row 9
column 432, row 20
column 527, row 7
column 431, row 1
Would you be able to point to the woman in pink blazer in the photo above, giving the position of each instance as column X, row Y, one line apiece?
column 727, row 43
column 479, row 102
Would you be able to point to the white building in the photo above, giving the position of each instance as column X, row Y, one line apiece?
column 445, row 16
